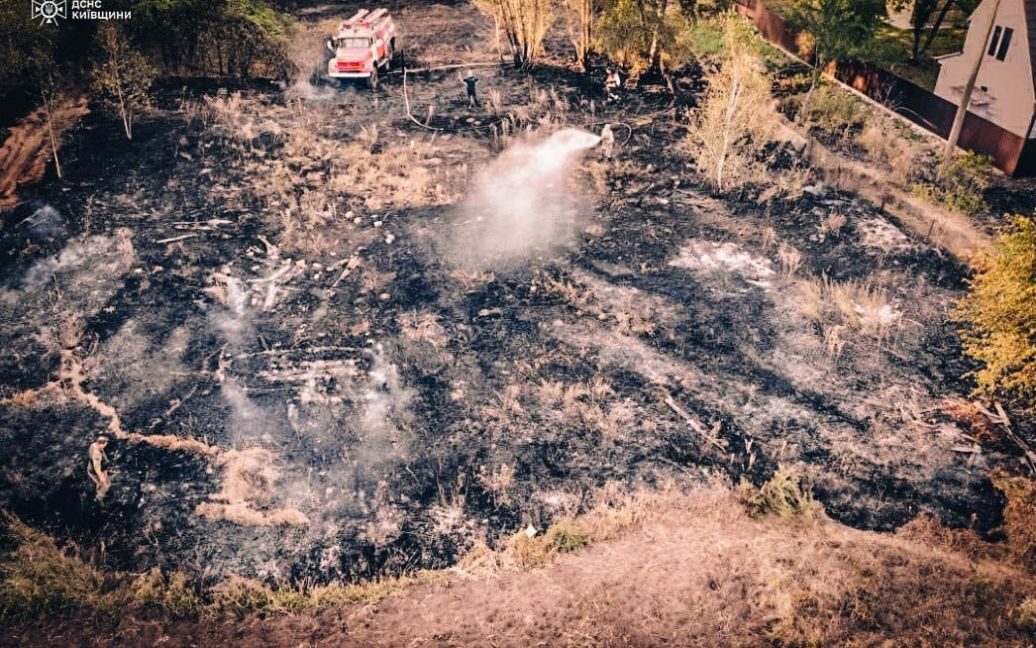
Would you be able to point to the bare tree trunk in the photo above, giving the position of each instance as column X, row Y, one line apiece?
column 51, row 135
column 496, row 35
column 124, row 109
column 965, row 100
column 935, row 28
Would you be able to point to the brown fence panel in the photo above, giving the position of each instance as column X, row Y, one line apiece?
column 1011, row 153
column 1027, row 160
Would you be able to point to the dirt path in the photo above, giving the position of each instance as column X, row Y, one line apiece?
column 26, row 153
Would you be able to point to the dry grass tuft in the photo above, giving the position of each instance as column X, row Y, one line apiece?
column 841, row 307
column 783, row 496
column 1019, row 514
column 563, row 536
column 173, row 593
column 499, row 483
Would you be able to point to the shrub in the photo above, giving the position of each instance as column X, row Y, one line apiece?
column 736, row 115
column 1000, row 313
column 783, row 495
column 835, row 111
column 962, row 188
column 173, row 594
column 37, row 577
column 123, row 77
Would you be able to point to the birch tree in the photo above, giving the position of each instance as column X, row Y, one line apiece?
column 122, row 77
column 736, row 117
column 580, row 19
column 525, row 23
column 49, row 85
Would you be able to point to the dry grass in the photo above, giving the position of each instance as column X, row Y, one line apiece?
column 37, row 577
column 499, row 483
column 790, row 260
column 832, row 224
column 841, row 308
column 782, row 495
column 247, row 491
column 773, row 573
column 310, row 177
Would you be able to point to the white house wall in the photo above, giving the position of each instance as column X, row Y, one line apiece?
column 1004, row 93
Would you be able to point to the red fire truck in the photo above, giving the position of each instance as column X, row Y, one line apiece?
column 364, row 44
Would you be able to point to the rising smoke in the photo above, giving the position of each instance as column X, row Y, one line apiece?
column 524, row 204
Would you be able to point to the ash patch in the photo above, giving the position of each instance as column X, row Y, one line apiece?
column 710, row 258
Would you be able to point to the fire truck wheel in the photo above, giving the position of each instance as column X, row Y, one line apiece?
column 372, row 80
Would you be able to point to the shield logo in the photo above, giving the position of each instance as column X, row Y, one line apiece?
column 48, row 11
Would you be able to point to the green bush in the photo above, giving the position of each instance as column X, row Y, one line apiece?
column 835, row 111
column 174, row 594
column 37, row 577
column 1000, row 313
column 964, row 186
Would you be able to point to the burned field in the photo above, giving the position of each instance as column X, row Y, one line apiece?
column 268, row 300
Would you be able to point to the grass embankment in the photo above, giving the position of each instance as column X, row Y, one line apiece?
column 757, row 566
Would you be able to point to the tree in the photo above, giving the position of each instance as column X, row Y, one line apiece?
column 212, row 37
column 47, row 81
column 643, row 34
column 580, row 19
column 736, row 115
column 525, row 23
column 122, row 77
column 923, row 29
column 23, row 41
column 1000, row 313
column 698, row 9
column 839, row 28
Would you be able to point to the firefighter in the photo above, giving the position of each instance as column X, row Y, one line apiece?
column 608, row 142
column 95, row 467
column 612, row 85
column 471, row 80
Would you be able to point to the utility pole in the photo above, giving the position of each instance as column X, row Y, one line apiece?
column 965, row 100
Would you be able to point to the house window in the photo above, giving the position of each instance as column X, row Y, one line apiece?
column 1004, row 44
column 996, row 40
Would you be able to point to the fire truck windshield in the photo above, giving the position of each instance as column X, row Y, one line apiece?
column 354, row 42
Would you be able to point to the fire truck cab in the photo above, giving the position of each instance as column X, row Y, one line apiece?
column 364, row 44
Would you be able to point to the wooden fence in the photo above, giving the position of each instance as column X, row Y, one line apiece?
column 1011, row 153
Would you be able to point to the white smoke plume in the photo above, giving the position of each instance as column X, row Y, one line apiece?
column 523, row 204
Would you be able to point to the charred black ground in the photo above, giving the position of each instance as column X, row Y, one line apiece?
column 561, row 371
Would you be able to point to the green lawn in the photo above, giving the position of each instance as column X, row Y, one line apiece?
column 891, row 50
